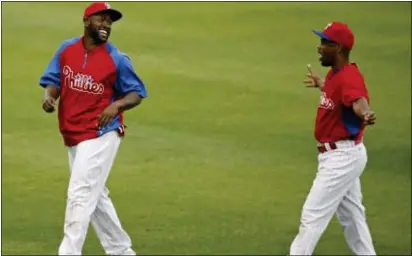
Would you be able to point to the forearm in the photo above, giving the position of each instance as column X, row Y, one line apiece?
column 52, row 91
column 360, row 106
column 129, row 101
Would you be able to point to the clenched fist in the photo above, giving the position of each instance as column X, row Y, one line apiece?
column 369, row 117
column 49, row 104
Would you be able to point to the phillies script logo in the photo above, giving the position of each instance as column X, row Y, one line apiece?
column 325, row 102
column 81, row 82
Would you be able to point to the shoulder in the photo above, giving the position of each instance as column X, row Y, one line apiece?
column 72, row 40
column 353, row 72
column 353, row 78
column 352, row 75
column 68, row 42
column 119, row 58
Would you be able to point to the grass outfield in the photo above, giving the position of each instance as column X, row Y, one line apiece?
column 220, row 157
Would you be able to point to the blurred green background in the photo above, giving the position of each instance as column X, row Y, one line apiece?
column 220, row 157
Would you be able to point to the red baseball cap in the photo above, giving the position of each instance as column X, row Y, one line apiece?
column 339, row 33
column 102, row 7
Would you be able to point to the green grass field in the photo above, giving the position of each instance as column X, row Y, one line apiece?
column 220, row 157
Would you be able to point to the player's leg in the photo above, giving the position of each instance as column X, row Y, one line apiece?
column 64, row 247
column 334, row 177
column 351, row 214
column 89, row 173
column 106, row 223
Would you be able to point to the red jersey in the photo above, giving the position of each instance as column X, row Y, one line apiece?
column 336, row 119
column 88, row 83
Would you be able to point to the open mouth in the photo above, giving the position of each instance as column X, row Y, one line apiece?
column 103, row 33
column 320, row 56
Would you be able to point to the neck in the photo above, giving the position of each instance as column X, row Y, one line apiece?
column 88, row 43
column 340, row 63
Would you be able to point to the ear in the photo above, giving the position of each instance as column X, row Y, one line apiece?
column 86, row 21
column 339, row 48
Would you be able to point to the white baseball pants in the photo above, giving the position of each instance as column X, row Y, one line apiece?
column 336, row 189
column 88, row 198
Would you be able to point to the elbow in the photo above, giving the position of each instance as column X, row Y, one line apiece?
column 137, row 99
column 360, row 106
column 131, row 100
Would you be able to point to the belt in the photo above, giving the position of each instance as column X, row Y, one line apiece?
column 328, row 146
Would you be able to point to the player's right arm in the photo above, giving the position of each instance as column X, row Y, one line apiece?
column 313, row 80
column 51, row 79
column 51, row 94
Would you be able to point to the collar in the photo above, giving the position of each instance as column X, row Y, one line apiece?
column 96, row 48
column 344, row 66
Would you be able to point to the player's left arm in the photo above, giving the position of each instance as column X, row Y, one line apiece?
column 355, row 95
column 130, row 87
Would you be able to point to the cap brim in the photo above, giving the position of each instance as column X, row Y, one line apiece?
column 114, row 14
column 321, row 35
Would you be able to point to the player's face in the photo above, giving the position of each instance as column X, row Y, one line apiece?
column 328, row 52
column 99, row 27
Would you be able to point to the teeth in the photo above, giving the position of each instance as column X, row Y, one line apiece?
column 103, row 32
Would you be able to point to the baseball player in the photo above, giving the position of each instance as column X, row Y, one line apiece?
column 342, row 115
column 95, row 83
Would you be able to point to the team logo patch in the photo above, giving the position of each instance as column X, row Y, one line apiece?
column 81, row 82
column 326, row 102
column 327, row 26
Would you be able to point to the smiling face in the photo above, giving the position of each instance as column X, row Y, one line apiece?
column 98, row 27
column 328, row 52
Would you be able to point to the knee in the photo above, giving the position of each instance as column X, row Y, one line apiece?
column 350, row 217
column 79, row 192
column 78, row 200
column 313, row 219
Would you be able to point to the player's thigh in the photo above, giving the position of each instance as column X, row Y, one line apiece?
column 322, row 198
column 93, row 162
column 332, row 181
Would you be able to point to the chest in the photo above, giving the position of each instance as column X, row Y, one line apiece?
column 331, row 98
column 92, row 73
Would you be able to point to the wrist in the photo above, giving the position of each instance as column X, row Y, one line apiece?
column 363, row 113
column 119, row 105
column 47, row 97
column 320, row 83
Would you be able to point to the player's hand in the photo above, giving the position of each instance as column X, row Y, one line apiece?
column 49, row 104
column 108, row 114
column 312, row 80
column 369, row 117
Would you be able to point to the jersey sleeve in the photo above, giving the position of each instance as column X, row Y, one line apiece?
column 127, row 79
column 353, row 88
column 52, row 74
